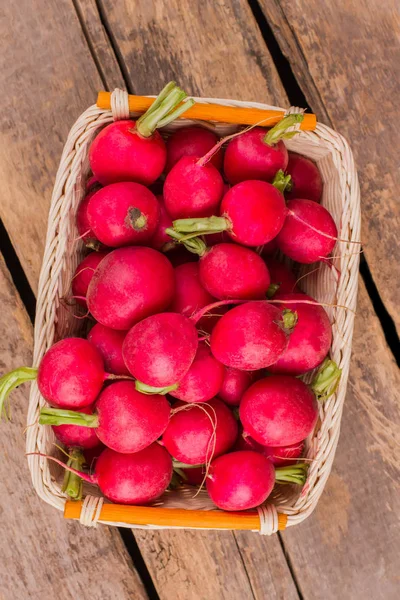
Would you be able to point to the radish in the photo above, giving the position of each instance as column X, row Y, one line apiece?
column 257, row 154
column 70, row 375
column 190, row 295
column 194, row 476
column 159, row 350
column 244, row 479
column 310, row 340
column 135, row 151
column 83, row 275
column 253, row 213
column 109, row 343
column 251, row 336
column 306, row 180
column 268, row 249
column 203, row 380
column 282, row 279
column 179, row 255
column 137, row 478
column 124, row 213
column 190, row 436
column 129, row 285
column 192, row 141
column 75, row 436
column 92, row 184
column 124, row 419
column 231, row 271
column 234, row 384
column 82, row 223
column 279, row 410
column 192, row 189
column 161, row 240
column 240, row 480
column 309, row 233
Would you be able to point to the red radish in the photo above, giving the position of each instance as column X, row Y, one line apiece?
column 306, row 179
column 203, row 380
column 310, row 340
column 161, row 239
column 231, row 271
column 82, row 223
column 190, row 295
column 109, row 343
column 190, row 437
column 123, row 213
column 159, row 350
column 285, row 455
column 129, row 285
column 137, row 478
column 75, row 436
column 84, row 274
column 135, row 151
column 124, row 419
column 251, row 336
column 279, row 410
column 246, row 442
column 282, row 279
column 309, row 233
column 192, row 189
column 207, row 323
column 257, row 154
column 240, row 480
column 253, row 213
column 234, row 384
column 192, row 141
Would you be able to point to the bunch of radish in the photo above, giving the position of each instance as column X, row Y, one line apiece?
column 197, row 335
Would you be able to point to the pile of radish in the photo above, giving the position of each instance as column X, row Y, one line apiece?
column 196, row 331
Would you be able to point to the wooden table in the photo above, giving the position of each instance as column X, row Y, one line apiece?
column 342, row 61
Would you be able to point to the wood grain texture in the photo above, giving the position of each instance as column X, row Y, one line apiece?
column 48, row 79
column 99, row 44
column 349, row 548
column 43, row 556
column 345, row 56
column 210, row 48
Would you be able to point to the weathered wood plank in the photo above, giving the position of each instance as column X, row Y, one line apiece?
column 43, row 556
column 48, row 79
column 210, row 48
column 345, row 56
column 349, row 548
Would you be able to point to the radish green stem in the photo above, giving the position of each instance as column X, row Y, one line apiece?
column 273, row 288
column 72, row 484
column 149, row 389
column 12, row 380
column 282, row 182
column 166, row 108
column 326, row 380
column 279, row 132
column 202, row 225
column 292, row 474
column 180, row 465
column 195, row 246
column 289, row 319
column 59, row 416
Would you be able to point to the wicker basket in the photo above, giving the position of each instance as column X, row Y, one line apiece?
column 341, row 197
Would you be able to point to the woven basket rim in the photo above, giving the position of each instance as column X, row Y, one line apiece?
column 51, row 277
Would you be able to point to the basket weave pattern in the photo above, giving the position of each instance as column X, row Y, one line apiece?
column 62, row 254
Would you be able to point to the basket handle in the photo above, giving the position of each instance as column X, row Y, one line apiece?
column 214, row 112
column 174, row 517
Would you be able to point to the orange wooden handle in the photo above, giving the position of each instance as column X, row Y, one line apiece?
column 214, row 112
column 173, row 517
